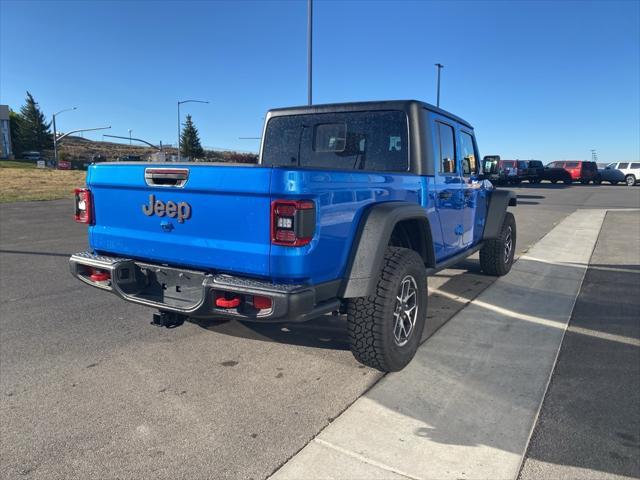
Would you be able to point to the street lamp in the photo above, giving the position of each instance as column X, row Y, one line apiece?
column 130, row 136
column 179, row 103
column 55, row 133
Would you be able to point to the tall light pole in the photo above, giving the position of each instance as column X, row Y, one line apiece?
column 439, row 66
column 179, row 129
column 55, row 133
column 309, row 51
column 130, row 136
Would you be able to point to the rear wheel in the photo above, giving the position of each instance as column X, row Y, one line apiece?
column 385, row 329
column 630, row 180
column 496, row 256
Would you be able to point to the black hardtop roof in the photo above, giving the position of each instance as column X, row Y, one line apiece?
column 405, row 105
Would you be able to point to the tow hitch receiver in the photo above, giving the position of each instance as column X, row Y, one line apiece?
column 168, row 319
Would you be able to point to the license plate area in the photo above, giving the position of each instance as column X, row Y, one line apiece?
column 160, row 284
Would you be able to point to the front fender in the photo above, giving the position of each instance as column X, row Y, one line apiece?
column 496, row 210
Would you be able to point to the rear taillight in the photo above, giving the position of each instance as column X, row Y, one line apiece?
column 293, row 222
column 83, row 205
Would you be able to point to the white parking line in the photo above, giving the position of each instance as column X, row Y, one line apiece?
column 466, row 405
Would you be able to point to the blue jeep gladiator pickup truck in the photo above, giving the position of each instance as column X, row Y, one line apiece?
column 349, row 209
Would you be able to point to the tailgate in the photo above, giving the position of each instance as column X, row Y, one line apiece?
column 210, row 217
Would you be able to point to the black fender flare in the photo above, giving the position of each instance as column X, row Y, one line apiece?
column 371, row 241
column 496, row 210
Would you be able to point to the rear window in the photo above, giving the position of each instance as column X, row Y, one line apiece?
column 375, row 140
column 535, row 164
column 571, row 165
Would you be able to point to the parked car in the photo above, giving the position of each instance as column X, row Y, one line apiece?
column 512, row 171
column 33, row 156
column 627, row 172
column 535, row 171
column 349, row 209
column 611, row 174
column 579, row 170
column 554, row 173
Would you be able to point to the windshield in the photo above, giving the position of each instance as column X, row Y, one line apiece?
column 375, row 140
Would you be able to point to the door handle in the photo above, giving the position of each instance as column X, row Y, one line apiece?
column 445, row 194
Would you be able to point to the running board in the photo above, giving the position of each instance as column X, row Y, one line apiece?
column 457, row 258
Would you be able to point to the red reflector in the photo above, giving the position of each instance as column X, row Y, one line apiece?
column 98, row 276
column 261, row 303
column 228, row 302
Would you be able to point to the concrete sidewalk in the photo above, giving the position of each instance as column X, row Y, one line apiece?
column 465, row 407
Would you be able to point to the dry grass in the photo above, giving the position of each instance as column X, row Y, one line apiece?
column 21, row 184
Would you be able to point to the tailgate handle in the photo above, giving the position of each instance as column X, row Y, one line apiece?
column 166, row 177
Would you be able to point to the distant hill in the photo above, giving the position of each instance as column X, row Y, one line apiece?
column 78, row 149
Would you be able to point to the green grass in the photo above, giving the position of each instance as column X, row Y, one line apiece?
column 25, row 184
column 17, row 164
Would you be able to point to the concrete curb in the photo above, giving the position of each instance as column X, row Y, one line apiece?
column 466, row 405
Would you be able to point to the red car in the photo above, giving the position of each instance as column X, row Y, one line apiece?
column 580, row 171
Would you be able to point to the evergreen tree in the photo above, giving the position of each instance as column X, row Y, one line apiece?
column 34, row 132
column 190, row 141
column 15, row 123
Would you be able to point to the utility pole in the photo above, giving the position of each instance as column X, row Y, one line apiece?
column 130, row 136
column 594, row 156
column 439, row 66
column 180, row 129
column 55, row 133
column 309, row 51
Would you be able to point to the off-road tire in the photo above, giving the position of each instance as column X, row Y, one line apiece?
column 630, row 180
column 371, row 319
column 493, row 257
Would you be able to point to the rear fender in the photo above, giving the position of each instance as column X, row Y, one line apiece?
column 371, row 241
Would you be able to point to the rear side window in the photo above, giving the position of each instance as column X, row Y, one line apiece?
column 447, row 148
column 571, row 165
column 469, row 162
column 508, row 163
column 635, row 165
column 373, row 140
column 522, row 164
column 535, row 164
column 623, row 165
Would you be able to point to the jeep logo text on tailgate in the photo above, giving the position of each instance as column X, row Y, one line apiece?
column 171, row 209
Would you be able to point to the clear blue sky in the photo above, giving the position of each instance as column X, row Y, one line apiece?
column 546, row 80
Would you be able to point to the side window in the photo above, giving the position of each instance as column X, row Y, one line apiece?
column 469, row 162
column 447, row 148
column 635, row 165
column 622, row 166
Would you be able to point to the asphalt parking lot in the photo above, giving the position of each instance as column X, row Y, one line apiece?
column 88, row 389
